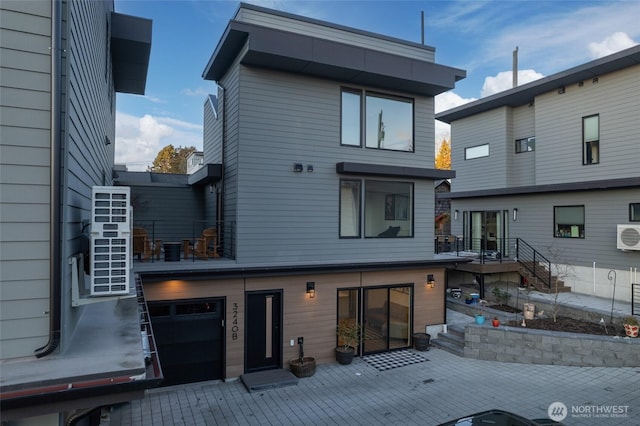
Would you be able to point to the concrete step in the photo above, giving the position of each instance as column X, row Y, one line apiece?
column 452, row 341
column 449, row 346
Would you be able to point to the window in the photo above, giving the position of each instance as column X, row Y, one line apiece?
column 349, row 208
column 634, row 212
column 525, row 145
column 388, row 121
column 388, row 209
column 476, row 152
column 591, row 139
column 569, row 221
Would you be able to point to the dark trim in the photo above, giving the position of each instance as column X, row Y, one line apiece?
column 130, row 52
column 383, row 170
column 597, row 185
column 306, row 55
column 288, row 270
column 526, row 93
column 208, row 174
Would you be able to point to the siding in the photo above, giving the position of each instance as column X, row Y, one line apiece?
column 24, row 176
column 522, row 166
column 293, row 217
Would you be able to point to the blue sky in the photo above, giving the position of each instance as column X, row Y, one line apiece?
column 477, row 36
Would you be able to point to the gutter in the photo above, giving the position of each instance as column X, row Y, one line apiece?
column 54, row 196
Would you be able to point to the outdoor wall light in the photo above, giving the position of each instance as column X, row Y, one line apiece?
column 431, row 282
column 311, row 289
column 515, row 214
column 298, row 167
column 455, row 215
column 561, row 90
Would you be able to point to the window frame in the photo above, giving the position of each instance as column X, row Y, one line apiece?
column 530, row 143
column 556, row 230
column 364, row 96
column 358, row 207
column 634, row 212
column 467, row 157
column 589, row 143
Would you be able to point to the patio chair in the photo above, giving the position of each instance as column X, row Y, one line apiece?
column 143, row 247
column 204, row 247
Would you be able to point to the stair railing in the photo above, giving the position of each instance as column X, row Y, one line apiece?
column 534, row 262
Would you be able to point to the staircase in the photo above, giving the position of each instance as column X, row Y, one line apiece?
column 452, row 341
column 555, row 285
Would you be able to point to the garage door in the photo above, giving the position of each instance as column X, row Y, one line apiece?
column 190, row 338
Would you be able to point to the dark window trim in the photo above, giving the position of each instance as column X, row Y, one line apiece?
column 584, row 228
column 584, row 142
column 633, row 218
column 359, row 236
column 358, row 92
column 528, row 139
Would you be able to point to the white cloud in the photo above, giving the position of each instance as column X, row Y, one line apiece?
column 443, row 102
column 200, row 92
column 611, row 44
column 154, row 99
column 504, row 80
column 139, row 139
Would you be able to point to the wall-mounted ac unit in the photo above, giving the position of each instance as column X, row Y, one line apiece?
column 629, row 237
column 110, row 240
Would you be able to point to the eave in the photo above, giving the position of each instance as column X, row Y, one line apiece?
column 383, row 170
column 130, row 52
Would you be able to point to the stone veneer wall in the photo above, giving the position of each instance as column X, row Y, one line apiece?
column 530, row 346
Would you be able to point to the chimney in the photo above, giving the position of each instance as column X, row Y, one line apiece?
column 515, row 67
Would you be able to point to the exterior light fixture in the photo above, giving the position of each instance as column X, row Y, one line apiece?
column 431, row 282
column 515, row 214
column 561, row 90
column 311, row 289
column 455, row 214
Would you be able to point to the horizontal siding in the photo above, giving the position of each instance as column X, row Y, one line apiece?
column 522, row 166
column 24, row 175
column 341, row 35
column 293, row 217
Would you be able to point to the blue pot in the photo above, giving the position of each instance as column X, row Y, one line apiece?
column 479, row 319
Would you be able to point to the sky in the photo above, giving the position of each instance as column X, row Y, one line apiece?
column 473, row 35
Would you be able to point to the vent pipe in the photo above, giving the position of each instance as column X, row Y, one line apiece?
column 515, row 67
column 422, row 24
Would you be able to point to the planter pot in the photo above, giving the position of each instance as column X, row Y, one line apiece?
column 631, row 330
column 495, row 322
column 479, row 319
column 468, row 301
column 421, row 341
column 343, row 356
column 304, row 368
column 529, row 310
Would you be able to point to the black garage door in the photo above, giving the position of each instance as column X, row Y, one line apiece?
column 190, row 339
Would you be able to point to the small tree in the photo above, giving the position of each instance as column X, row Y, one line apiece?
column 561, row 270
column 171, row 160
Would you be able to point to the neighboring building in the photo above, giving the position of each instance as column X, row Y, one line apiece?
column 556, row 163
column 195, row 161
column 62, row 64
column 443, row 208
column 314, row 150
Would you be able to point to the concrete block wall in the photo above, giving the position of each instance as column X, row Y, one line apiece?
column 530, row 346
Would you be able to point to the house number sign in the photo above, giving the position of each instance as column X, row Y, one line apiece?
column 234, row 322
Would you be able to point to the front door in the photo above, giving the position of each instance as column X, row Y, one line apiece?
column 263, row 345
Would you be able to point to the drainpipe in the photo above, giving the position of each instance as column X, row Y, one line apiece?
column 224, row 148
column 54, row 196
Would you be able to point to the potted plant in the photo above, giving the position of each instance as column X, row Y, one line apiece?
column 495, row 322
column 302, row 366
column 468, row 299
column 631, row 326
column 480, row 318
column 348, row 331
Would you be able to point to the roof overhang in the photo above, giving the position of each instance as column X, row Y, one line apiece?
column 598, row 185
column 130, row 52
column 383, row 170
column 303, row 54
column 207, row 174
column 526, row 93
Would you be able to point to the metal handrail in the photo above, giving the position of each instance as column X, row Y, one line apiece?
column 635, row 299
column 534, row 262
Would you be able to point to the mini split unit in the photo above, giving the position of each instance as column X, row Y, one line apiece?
column 628, row 237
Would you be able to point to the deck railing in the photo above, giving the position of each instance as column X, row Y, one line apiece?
column 533, row 261
column 635, row 299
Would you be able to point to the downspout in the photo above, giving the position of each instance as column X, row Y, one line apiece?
column 224, row 148
column 54, row 196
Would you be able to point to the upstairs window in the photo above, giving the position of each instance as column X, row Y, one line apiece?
column 634, row 212
column 591, row 139
column 476, row 152
column 387, row 121
column 525, row 145
column 568, row 221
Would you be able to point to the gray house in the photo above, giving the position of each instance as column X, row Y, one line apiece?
column 321, row 201
column 62, row 64
column 555, row 163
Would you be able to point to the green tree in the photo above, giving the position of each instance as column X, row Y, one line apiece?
column 443, row 159
column 171, row 160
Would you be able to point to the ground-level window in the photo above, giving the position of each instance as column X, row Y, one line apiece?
column 476, row 152
column 634, row 212
column 591, row 139
column 568, row 221
column 388, row 208
column 525, row 145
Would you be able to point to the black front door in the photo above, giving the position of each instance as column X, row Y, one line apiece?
column 263, row 346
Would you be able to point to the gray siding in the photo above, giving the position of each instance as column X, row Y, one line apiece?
column 522, row 166
column 24, row 176
column 294, row 217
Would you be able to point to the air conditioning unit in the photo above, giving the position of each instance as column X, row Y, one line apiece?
column 629, row 237
column 110, row 240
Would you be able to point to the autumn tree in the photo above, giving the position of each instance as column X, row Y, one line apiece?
column 171, row 160
column 443, row 159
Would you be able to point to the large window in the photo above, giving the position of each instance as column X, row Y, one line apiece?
column 476, row 152
column 591, row 139
column 388, row 209
column 634, row 212
column 387, row 121
column 525, row 145
column 569, row 221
